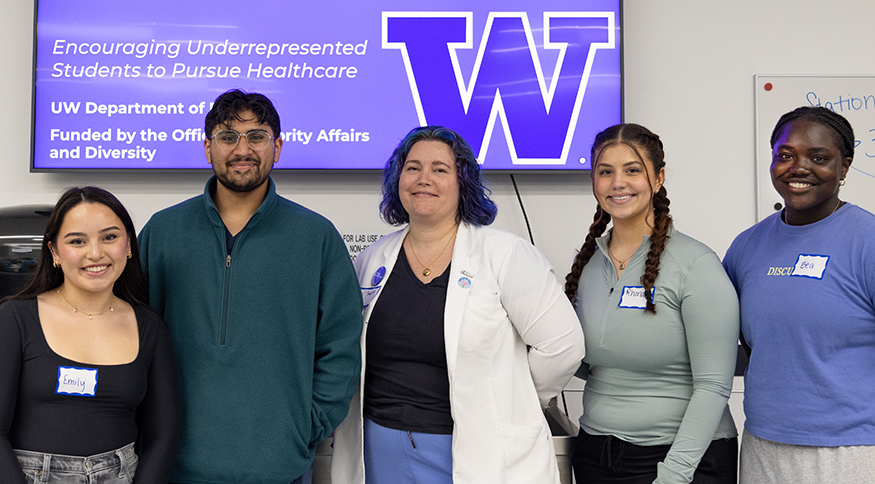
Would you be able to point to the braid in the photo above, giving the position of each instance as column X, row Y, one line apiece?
column 599, row 224
column 661, row 222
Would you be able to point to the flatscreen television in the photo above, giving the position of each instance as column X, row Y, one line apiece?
column 122, row 85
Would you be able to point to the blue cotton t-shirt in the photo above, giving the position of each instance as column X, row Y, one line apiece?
column 807, row 296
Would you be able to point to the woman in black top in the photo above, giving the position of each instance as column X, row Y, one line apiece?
column 86, row 369
column 466, row 334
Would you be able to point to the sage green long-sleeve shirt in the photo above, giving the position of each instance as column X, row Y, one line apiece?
column 664, row 378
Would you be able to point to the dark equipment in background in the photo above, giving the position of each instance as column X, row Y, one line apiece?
column 21, row 237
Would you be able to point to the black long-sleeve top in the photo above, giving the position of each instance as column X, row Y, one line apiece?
column 54, row 405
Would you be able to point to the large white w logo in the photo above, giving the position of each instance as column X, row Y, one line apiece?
column 507, row 82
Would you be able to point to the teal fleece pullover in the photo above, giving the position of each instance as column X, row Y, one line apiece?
column 266, row 339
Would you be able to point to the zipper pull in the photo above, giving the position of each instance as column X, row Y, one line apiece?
column 228, row 261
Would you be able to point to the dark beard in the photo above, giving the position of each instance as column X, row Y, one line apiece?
column 243, row 186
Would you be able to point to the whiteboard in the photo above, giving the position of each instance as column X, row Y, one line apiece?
column 851, row 96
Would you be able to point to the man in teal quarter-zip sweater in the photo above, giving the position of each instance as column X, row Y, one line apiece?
column 263, row 307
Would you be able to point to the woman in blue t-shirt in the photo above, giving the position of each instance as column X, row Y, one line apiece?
column 806, row 282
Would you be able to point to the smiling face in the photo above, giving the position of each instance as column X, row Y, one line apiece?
column 92, row 248
column 429, row 184
column 807, row 166
column 624, row 186
column 242, row 169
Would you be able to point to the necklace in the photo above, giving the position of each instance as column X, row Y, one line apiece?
column 76, row 310
column 426, row 271
column 622, row 262
column 784, row 213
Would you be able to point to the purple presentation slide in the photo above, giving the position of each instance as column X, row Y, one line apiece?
column 126, row 85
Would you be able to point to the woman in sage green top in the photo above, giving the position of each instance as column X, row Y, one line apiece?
column 660, row 319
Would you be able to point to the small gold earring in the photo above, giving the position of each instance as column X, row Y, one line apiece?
column 129, row 255
column 56, row 263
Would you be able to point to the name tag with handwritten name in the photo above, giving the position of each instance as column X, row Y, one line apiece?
column 810, row 266
column 77, row 381
column 368, row 295
column 633, row 297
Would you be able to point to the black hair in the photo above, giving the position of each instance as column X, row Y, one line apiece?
column 131, row 284
column 844, row 133
column 230, row 105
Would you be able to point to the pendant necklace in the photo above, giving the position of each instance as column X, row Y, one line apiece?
column 621, row 262
column 76, row 310
column 427, row 271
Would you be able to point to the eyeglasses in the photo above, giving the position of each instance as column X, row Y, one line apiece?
column 257, row 139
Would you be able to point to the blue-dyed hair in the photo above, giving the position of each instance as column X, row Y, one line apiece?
column 475, row 206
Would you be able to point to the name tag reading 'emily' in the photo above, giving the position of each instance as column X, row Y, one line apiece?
column 633, row 297
column 810, row 266
column 77, row 381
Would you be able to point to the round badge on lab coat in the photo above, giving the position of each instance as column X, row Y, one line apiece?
column 378, row 276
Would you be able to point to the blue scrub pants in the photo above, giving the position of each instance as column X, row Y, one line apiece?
column 402, row 457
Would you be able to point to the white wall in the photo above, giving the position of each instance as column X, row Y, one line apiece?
column 689, row 67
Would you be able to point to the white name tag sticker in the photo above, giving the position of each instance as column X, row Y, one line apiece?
column 812, row 266
column 633, row 297
column 77, row 381
column 368, row 294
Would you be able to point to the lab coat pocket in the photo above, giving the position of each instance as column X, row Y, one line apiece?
column 483, row 318
column 527, row 452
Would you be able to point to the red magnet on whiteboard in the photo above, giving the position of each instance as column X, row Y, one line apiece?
column 768, row 86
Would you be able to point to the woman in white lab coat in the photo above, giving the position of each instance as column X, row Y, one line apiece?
column 467, row 334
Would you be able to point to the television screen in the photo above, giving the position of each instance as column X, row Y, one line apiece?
column 126, row 85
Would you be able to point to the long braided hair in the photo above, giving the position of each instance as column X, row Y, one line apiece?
column 639, row 139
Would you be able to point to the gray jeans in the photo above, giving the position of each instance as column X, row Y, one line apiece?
column 113, row 467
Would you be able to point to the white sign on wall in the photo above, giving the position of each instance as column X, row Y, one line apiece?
column 357, row 242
